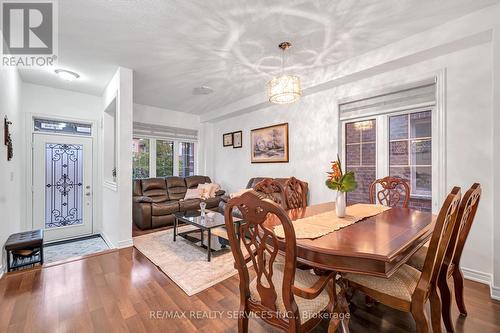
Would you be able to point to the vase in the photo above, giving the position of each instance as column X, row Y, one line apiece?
column 340, row 204
column 202, row 206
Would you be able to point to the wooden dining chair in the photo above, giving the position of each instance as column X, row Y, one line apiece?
column 451, row 265
column 280, row 295
column 271, row 189
column 395, row 191
column 295, row 193
column 408, row 289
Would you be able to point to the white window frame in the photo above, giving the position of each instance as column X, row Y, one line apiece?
column 177, row 142
column 437, row 109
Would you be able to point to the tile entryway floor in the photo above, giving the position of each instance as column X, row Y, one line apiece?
column 73, row 248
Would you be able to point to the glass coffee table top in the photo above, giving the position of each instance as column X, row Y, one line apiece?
column 210, row 221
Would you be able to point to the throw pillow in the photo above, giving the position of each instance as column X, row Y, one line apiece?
column 214, row 188
column 204, row 190
column 192, row 193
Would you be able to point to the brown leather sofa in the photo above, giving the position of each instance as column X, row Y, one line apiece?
column 155, row 200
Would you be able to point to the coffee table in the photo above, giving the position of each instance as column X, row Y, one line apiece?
column 207, row 223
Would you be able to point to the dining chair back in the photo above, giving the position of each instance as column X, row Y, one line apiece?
column 394, row 191
column 271, row 295
column 440, row 240
column 465, row 218
column 295, row 193
column 261, row 246
column 451, row 265
column 271, row 189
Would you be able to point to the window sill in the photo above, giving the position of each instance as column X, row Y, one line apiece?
column 421, row 196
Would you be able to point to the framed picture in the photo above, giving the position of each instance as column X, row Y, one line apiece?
column 270, row 144
column 238, row 139
column 227, row 139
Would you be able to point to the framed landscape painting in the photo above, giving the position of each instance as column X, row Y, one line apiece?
column 270, row 144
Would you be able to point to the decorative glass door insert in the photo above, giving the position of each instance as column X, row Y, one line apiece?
column 64, row 185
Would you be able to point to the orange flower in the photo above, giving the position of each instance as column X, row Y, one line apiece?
column 336, row 173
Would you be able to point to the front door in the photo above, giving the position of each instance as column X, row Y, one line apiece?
column 62, row 185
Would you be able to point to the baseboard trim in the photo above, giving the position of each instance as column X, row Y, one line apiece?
column 125, row 243
column 120, row 245
column 495, row 293
column 108, row 241
column 477, row 276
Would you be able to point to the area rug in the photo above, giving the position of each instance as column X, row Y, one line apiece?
column 73, row 248
column 184, row 262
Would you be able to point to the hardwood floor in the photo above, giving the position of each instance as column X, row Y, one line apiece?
column 122, row 291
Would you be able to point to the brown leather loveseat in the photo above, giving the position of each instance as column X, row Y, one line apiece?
column 155, row 200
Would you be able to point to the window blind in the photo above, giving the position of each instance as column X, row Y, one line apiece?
column 417, row 93
column 176, row 133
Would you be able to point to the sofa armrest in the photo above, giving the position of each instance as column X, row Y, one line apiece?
column 142, row 199
column 220, row 193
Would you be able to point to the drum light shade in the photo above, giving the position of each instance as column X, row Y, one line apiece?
column 284, row 89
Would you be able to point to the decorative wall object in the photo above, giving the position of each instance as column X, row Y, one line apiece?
column 270, row 144
column 227, row 139
column 7, row 139
column 238, row 139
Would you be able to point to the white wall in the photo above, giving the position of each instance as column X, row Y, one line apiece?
column 117, row 210
column 496, row 162
column 10, row 175
column 463, row 49
column 59, row 102
column 154, row 115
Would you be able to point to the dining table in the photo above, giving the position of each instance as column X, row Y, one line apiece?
column 375, row 246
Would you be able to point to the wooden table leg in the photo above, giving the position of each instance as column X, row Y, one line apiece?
column 175, row 228
column 209, row 245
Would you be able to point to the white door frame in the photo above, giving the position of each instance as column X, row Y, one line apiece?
column 96, row 172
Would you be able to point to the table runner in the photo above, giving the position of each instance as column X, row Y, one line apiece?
column 322, row 224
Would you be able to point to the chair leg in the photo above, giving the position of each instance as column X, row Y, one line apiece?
column 435, row 311
column 243, row 323
column 458, row 281
column 444, row 291
column 243, row 319
column 421, row 321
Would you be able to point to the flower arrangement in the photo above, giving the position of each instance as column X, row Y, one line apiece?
column 339, row 181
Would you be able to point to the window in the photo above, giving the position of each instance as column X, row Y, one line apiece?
column 410, row 154
column 361, row 157
column 186, row 159
column 140, row 158
column 164, row 158
column 407, row 135
column 156, row 157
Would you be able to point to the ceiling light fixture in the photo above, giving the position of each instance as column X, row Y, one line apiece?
column 66, row 75
column 284, row 89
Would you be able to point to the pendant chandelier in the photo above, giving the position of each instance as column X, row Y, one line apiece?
column 284, row 89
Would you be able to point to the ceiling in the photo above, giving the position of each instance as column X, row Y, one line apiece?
column 229, row 45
